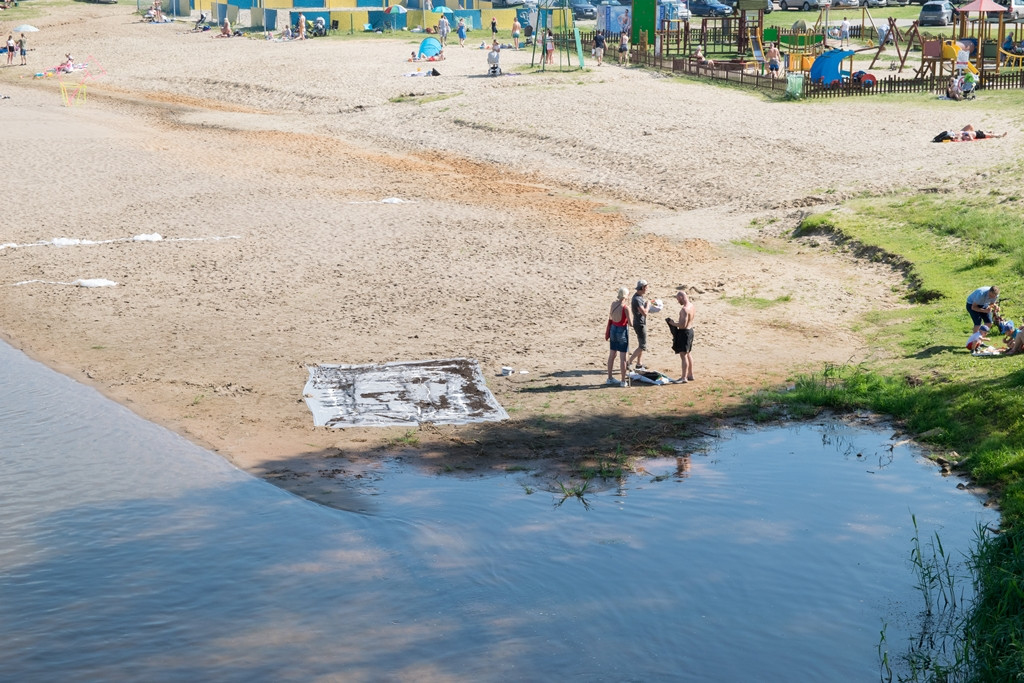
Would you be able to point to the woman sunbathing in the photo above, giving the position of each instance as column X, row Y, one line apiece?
column 965, row 134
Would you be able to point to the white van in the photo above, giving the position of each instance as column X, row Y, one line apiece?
column 1015, row 9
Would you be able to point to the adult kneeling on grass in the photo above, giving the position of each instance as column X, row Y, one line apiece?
column 981, row 304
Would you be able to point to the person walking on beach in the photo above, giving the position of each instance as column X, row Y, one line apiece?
column 617, row 335
column 10, row 50
column 624, row 49
column 549, row 46
column 494, row 28
column 981, row 304
column 302, row 26
column 443, row 29
column 639, row 307
column 22, row 49
column 461, row 30
column 515, row 33
column 599, row 47
column 682, row 335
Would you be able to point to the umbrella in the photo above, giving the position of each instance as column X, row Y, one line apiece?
column 396, row 9
column 24, row 28
column 442, row 10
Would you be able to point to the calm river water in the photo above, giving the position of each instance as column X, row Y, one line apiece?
column 127, row 553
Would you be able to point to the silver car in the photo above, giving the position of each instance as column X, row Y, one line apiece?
column 936, row 13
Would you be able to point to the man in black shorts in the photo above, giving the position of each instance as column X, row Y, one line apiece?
column 682, row 335
column 640, row 308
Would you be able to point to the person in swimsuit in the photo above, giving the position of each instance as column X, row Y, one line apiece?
column 461, row 30
column 549, row 46
column 515, row 33
column 682, row 335
column 617, row 334
column 494, row 28
column 774, row 60
column 624, row 49
column 702, row 60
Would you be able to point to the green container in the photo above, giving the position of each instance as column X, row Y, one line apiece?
column 794, row 86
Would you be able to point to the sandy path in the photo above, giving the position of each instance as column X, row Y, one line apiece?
column 529, row 199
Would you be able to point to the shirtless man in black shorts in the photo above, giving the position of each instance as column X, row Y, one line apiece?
column 682, row 335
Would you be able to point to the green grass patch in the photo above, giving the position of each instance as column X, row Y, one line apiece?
column 757, row 302
column 946, row 243
column 407, row 440
column 754, row 246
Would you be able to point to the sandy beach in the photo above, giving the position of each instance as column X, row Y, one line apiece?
column 526, row 201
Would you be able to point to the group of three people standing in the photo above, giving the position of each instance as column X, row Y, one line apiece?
column 617, row 332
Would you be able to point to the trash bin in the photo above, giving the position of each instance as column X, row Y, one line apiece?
column 794, row 86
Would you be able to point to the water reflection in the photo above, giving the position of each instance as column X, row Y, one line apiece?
column 127, row 553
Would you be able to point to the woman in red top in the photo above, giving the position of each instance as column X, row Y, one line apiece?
column 617, row 334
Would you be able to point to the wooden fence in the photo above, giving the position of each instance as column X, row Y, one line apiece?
column 741, row 73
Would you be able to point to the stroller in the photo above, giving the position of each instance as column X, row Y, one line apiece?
column 493, row 62
column 316, row 29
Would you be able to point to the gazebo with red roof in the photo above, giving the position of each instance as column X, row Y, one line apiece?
column 984, row 31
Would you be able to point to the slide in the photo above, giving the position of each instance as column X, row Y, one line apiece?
column 756, row 48
column 950, row 49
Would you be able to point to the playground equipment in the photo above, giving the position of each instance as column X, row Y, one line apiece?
column 892, row 34
column 1011, row 60
column 979, row 31
column 800, row 47
column 827, row 67
column 561, row 18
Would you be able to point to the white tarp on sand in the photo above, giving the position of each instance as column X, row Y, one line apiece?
column 450, row 391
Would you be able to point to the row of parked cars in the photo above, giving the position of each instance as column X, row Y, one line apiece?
column 943, row 12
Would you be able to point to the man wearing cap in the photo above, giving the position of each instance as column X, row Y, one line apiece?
column 640, row 307
column 981, row 304
column 977, row 339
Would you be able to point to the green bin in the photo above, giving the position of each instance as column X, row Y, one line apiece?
column 794, row 86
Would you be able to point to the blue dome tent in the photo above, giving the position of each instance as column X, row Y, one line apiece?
column 430, row 47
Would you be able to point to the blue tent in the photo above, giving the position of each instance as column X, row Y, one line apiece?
column 430, row 47
column 828, row 67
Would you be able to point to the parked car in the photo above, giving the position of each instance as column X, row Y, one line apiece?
column 674, row 9
column 874, row 3
column 581, row 9
column 839, row 4
column 1014, row 10
column 936, row 13
column 709, row 8
column 769, row 6
column 805, row 5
